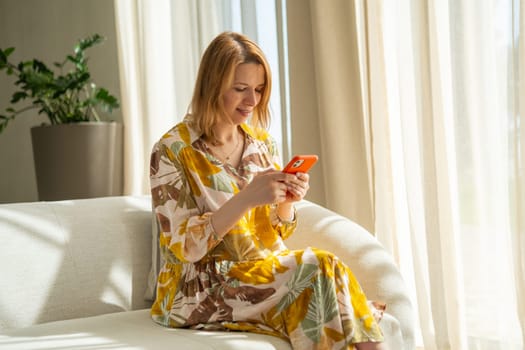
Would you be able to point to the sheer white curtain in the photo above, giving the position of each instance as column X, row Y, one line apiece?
column 159, row 43
column 447, row 96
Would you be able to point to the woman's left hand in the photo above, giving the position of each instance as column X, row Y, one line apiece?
column 297, row 188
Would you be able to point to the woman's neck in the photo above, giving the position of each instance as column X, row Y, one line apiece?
column 225, row 134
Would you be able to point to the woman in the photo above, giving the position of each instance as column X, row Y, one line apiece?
column 225, row 210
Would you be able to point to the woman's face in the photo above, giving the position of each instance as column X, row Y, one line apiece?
column 245, row 93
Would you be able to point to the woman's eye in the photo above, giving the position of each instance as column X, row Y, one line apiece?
column 243, row 89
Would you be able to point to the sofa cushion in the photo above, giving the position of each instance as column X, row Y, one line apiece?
column 130, row 330
column 73, row 258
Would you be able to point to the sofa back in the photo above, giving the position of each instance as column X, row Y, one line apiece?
column 77, row 258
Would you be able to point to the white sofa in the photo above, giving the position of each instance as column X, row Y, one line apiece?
column 73, row 276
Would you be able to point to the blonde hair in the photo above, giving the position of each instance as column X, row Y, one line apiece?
column 216, row 73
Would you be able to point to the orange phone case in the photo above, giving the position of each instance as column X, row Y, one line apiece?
column 300, row 164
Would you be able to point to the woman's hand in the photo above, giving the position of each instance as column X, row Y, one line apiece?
column 297, row 187
column 270, row 187
column 274, row 187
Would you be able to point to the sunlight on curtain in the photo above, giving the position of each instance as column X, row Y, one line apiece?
column 518, row 154
column 445, row 99
column 341, row 86
column 143, row 33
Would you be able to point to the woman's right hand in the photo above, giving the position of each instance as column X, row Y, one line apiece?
column 267, row 187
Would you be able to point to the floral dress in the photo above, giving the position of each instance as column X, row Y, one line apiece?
column 249, row 280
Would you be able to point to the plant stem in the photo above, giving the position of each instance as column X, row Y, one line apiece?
column 21, row 111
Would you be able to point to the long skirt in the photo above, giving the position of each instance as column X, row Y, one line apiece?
column 308, row 297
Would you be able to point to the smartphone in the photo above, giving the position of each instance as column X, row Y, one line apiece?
column 300, row 164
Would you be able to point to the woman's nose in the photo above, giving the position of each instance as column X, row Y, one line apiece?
column 251, row 97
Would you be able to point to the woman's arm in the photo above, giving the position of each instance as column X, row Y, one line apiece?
column 186, row 232
column 269, row 187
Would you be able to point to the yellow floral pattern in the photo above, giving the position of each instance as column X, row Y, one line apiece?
column 249, row 280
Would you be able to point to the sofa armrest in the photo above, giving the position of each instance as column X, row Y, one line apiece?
column 372, row 265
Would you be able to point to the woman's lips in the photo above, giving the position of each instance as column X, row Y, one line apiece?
column 244, row 112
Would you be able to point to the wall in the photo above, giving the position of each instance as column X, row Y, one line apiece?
column 47, row 30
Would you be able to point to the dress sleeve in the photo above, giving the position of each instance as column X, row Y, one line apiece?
column 285, row 228
column 186, row 233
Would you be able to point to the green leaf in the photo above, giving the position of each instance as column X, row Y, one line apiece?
column 39, row 66
column 23, row 65
column 3, row 59
column 73, row 59
column 9, row 51
column 321, row 309
column 4, row 54
column 3, row 122
column 88, row 42
column 102, row 94
column 177, row 146
column 301, row 280
column 17, row 96
column 109, row 101
column 221, row 182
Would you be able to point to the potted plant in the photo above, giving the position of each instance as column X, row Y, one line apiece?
column 77, row 154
